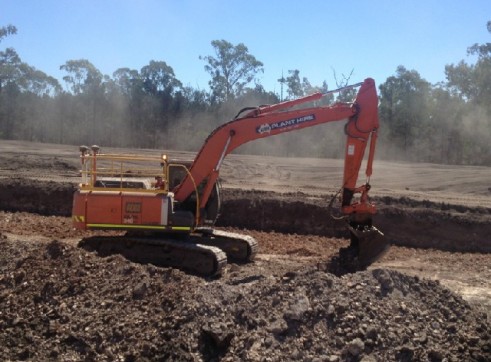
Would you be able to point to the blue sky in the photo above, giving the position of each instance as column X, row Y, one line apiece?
column 370, row 37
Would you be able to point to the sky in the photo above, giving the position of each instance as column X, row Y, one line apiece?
column 319, row 38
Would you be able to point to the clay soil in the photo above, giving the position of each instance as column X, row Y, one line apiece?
column 427, row 299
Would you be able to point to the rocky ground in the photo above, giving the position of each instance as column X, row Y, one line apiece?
column 62, row 303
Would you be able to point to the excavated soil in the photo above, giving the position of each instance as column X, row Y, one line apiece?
column 427, row 299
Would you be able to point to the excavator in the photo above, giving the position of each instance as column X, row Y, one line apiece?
column 166, row 208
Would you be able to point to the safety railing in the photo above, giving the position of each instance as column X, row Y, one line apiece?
column 123, row 171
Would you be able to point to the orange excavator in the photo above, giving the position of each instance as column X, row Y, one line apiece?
column 168, row 211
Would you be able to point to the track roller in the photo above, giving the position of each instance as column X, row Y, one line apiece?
column 238, row 247
column 194, row 258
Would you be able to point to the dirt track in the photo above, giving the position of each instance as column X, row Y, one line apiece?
column 61, row 302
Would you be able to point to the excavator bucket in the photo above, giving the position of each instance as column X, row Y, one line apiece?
column 369, row 243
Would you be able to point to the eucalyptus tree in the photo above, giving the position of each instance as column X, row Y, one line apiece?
column 26, row 95
column 293, row 84
column 127, row 81
column 9, row 59
column 404, row 109
column 231, row 70
column 88, row 103
column 472, row 81
column 127, row 91
column 83, row 77
column 472, row 84
column 158, row 104
column 7, row 30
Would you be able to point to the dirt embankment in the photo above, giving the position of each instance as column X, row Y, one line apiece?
column 405, row 222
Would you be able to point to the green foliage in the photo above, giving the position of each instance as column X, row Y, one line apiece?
column 83, row 77
column 159, row 78
column 403, row 107
column 482, row 50
column 231, row 70
column 471, row 81
column 294, row 86
column 9, row 67
column 297, row 87
column 7, row 30
column 444, row 123
column 24, row 91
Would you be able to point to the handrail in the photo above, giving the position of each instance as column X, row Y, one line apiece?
column 119, row 166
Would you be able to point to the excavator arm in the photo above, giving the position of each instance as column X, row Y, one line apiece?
column 265, row 121
column 361, row 129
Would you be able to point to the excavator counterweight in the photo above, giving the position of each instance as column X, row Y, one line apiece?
column 169, row 211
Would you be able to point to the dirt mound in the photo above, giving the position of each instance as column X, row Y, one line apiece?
column 63, row 303
column 42, row 197
column 19, row 162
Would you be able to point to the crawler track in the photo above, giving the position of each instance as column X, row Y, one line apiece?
column 238, row 247
column 183, row 254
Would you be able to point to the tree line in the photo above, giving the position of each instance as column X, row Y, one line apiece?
column 448, row 122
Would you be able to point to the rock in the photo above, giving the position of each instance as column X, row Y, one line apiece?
column 356, row 347
column 386, row 282
column 435, row 355
column 298, row 307
column 371, row 333
column 423, row 338
column 279, row 326
column 405, row 353
column 368, row 358
column 140, row 290
column 219, row 333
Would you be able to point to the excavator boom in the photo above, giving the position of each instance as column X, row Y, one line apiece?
column 267, row 121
